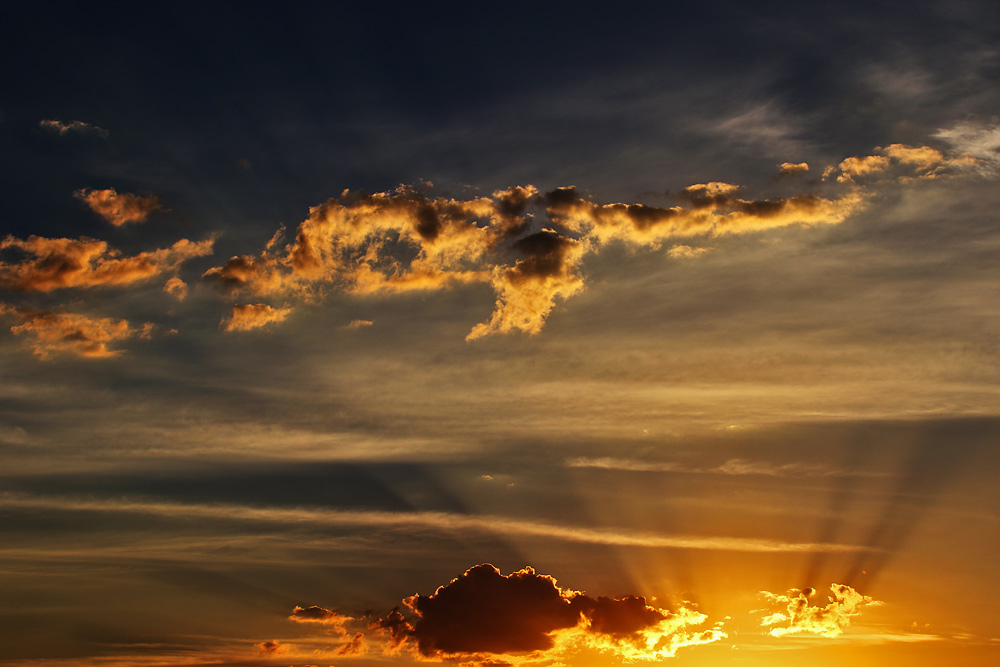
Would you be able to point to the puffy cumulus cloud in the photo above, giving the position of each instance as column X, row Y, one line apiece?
column 119, row 209
column 486, row 616
column 526, row 292
column 799, row 616
column 62, row 128
column 47, row 264
column 903, row 163
column 246, row 317
column 789, row 168
column 861, row 166
column 53, row 332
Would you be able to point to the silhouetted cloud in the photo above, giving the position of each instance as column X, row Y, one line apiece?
column 119, row 209
column 484, row 613
column 799, row 616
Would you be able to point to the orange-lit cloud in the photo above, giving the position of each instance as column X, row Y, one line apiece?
column 484, row 615
column 903, row 163
column 354, row 646
column 246, row 317
column 53, row 332
column 320, row 615
column 119, row 209
column 788, row 168
column 359, row 324
column 47, row 264
column 176, row 288
column 798, row 616
column 526, row 292
column 62, row 128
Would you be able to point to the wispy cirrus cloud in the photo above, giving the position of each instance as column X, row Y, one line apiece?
column 730, row 467
column 449, row 522
column 119, row 209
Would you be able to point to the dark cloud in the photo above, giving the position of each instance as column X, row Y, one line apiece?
column 484, row 613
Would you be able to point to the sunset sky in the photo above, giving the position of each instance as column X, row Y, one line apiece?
column 507, row 335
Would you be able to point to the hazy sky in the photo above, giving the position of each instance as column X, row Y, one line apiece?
column 512, row 335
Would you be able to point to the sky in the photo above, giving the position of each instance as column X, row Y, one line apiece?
column 505, row 335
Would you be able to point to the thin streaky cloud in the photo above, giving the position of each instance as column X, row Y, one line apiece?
column 422, row 521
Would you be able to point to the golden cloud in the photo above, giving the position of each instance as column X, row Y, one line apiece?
column 405, row 240
column 55, row 263
column 787, row 168
column 83, row 336
column 799, row 616
column 253, row 316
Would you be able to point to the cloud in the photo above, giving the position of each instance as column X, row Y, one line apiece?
column 903, row 163
column 730, row 467
column 119, row 209
column 176, row 288
column 253, row 316
column 449, row 523
column 271, row 647
column 981, row 140
column 322, row 616
column 484, row 613
column 799, row 616
column 54, row 332
column 47, row 264
column 73, row 126
column 526, row 292
column 355, row 646
column 685, row 252
column 359, row 324
column 788, row 168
